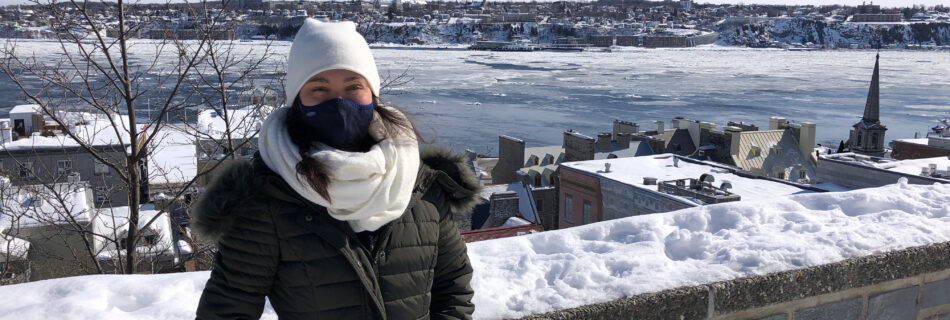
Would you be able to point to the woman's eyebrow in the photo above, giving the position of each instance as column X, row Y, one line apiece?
column 318, row 80
column 353, row 78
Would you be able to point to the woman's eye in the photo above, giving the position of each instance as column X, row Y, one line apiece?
column 355, row 87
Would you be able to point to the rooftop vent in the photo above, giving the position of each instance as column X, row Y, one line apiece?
column 726, row 185
column 649, row 181
column 607, row 167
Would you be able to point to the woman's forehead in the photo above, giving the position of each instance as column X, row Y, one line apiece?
column 336, row 75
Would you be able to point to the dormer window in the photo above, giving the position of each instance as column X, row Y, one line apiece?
column 755, row 151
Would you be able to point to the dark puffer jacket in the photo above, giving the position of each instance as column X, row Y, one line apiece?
column 273, row 243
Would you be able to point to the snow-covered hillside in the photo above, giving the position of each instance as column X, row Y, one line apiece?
column 587, row 264
column 831, row 34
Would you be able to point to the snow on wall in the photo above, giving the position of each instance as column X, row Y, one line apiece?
column 587, row 264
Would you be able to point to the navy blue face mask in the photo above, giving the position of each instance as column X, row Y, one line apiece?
column 339, row 123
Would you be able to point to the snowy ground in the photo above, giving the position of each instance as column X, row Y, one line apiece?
column 587, row 264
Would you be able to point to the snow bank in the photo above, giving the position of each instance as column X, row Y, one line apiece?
column 592, row 263
column 165, row 296
column 608, row 260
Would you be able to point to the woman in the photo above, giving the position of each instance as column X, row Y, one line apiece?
column 339, row 215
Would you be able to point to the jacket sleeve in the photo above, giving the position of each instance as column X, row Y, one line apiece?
column 451, row 291
column 244, row 268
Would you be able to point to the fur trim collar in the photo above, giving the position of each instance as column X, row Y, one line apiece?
column 242, row 180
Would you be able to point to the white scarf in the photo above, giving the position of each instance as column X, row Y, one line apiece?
column 368, row 189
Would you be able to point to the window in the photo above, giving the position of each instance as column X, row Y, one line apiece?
column 151, row 239
column 802, row 174
column 101, row 194
column 538, row 204
column 567, row 207
column 101, row 168
column 536, row 162
column 26, row 170
column 586, row 212
column 874, row 140
column 859, row 140
column 64, row 167
column 780, row 174
column 537, row 180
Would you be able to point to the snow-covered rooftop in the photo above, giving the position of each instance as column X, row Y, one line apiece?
column 114, row 224
column 26, row 108
column 632, row 171
column 96, row 130
column 914, row 166
column 172, row 158
column 244, row 122
column 11, row 248
column 592, row 263
column 36, row 206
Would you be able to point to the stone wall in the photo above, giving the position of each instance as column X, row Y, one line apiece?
column 913, row 283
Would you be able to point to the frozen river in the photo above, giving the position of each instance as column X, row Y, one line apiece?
column 468, row 98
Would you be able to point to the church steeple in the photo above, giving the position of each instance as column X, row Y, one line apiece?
column 868, row 134
column 872, row 109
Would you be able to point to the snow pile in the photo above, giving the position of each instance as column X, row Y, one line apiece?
column 588, row 264
column 164, row 296
column 608, row 260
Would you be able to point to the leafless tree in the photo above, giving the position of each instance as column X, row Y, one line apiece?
column 107, row 73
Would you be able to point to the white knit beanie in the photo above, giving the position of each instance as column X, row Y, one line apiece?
column 321, row 46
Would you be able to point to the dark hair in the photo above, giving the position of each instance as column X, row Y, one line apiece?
column 316, row 172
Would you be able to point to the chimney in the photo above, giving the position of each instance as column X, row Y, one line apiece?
column 733, row 137
column 6, row 133
column 510, row 159
column 603, row 141
column 623, row 140
column 777, row 123
column 577, row 147
column 502, row 205
column 806, row 140
column 621, row 126
column 659, row 126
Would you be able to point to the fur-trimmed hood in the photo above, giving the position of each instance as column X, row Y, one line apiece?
column 241, row 180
